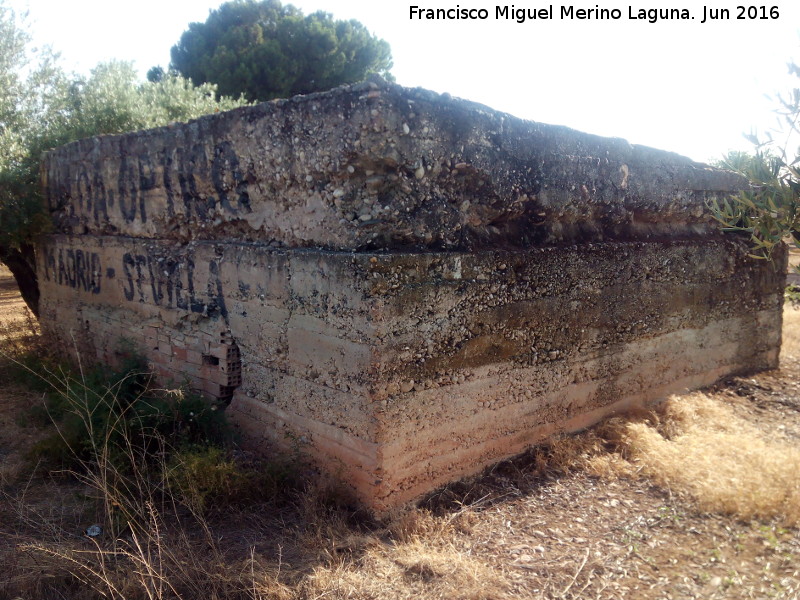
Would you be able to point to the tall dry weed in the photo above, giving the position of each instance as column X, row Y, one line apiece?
column 155, row 543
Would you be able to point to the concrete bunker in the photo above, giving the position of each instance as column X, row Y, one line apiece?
column 415, row 286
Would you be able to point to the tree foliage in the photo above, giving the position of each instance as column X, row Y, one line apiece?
column 769, row 212
column 42, row 107
column 267, row 50
column 32, row 88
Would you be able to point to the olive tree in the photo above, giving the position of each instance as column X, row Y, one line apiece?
column 42, row 107
column 33, row 97
column 769, row 211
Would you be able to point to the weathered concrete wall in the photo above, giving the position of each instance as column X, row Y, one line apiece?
column 411, row 286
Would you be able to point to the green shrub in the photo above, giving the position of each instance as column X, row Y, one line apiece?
column 210, row 477
column 205, row 475
column 120, row 413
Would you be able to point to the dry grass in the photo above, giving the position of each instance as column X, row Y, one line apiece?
column 157, row 564
column 153, row 545
column 702, row 449
column 630, row 509
column 419, row 557
column 422, row 567
column 790, row 349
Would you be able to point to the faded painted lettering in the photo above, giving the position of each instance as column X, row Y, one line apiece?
column 204, row 181
column 170, row 282
column 74, row 268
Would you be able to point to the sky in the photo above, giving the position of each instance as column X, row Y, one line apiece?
column 677, row 84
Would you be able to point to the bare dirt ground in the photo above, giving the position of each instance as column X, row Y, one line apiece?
column 582, row 518
column 16, row 323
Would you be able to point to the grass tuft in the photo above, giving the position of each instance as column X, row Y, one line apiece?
column 703, row 450
column 696, row 446
column 429, row 567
